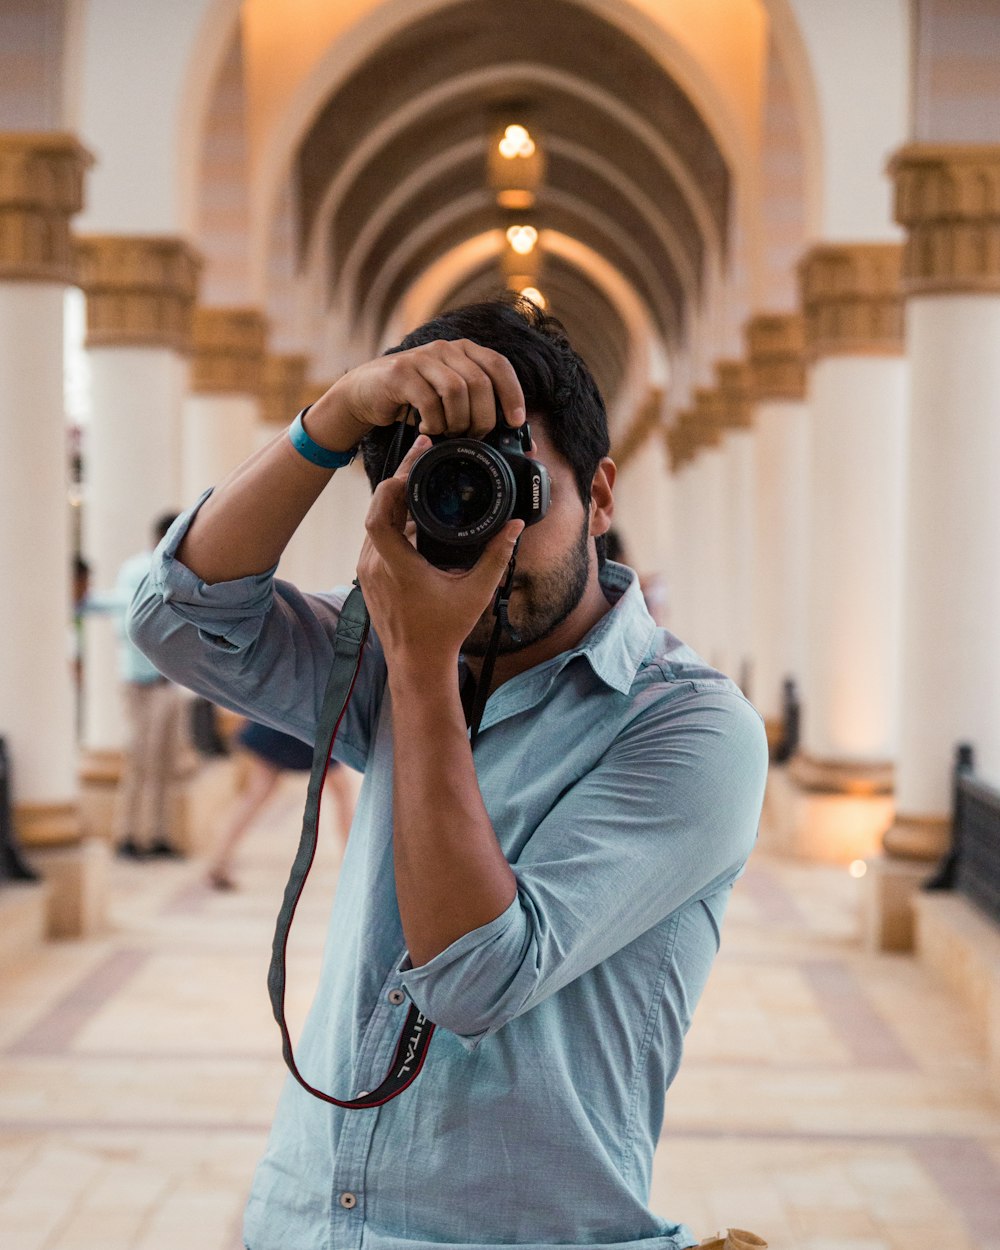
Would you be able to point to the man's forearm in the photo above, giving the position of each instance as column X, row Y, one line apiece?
column 247, row 522
column 451, row 874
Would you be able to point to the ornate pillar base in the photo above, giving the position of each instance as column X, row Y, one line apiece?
column 827, row 811
column 924, row 839
column 100, row 774
column 887, row 909
column 74, row 868
column 912, row 848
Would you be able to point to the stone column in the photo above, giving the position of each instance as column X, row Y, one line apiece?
column 140, row 294
column 711, row 515
column 738, row 453
column 41, row 187
column 222, row 411
column 282, row 383
column 642, row 489
column 680, row 572
column 777, row 377
column 948, row 198
column 858, row 391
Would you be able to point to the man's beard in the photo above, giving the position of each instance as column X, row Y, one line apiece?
column 543, row 601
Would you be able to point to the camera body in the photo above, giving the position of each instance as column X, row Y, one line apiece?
column 462, row 491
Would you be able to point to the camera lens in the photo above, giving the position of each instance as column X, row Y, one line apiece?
column 459, row 493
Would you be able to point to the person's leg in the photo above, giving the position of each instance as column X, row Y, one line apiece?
column 261, row 779
column 131, row 838
column 165, row 745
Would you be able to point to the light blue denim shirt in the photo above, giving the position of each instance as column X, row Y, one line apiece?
column 624, row 781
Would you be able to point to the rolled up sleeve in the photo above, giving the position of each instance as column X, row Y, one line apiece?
column 256, row 645
column 668, row 817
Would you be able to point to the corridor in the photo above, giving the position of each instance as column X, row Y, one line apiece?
column 829, row 1100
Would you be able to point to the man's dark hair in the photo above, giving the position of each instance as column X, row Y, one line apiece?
column 558, row 387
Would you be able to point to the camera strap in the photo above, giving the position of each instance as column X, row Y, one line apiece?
column 348, row 648
column 411, row 1050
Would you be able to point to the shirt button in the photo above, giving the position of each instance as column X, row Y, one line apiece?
column 348, row 1201
column 396, row 997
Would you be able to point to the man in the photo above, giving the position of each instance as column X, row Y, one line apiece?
column 552, row 900
column 153, row 723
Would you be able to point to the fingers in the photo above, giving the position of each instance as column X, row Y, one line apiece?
column 492, row 564
column 461, row 385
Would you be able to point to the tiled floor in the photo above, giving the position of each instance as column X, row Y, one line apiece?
column 829, row 1100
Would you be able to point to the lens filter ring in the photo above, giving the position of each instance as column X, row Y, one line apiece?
column 461, row 492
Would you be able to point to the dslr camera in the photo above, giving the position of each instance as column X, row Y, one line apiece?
column 462, row 491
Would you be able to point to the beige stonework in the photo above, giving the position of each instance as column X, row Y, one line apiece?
column 918, row 838
column 311, row 391
column 948, row 198
column 776, row 347
column 47, row 824
column 140, row 290
column 643, row 425
column 78, row 881
column 41, row 187
column 710, row 419
column 100, row 774
column 229, row 345
column 852, row 299
column 890, row 886
column 734, row 388
column 841, row 776
column 284, row 382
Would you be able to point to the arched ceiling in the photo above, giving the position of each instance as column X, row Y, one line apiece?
column 391, row 174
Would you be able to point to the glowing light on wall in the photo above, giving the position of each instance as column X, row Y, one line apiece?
column 535, row 295
column 516, row 142
column 522, row 239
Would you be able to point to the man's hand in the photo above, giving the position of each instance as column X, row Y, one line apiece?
column 422, row 614
column 454, row 385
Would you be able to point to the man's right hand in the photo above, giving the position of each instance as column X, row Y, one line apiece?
column 454, row 385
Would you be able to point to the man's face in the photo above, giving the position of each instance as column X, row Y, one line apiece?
column 553, row 561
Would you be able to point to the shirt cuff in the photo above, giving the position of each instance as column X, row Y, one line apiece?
column 227, row 615
column 457, row 988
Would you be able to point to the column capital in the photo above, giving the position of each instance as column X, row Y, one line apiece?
column 284, row 382
column 41, row 187
column 679, row 440
column 641, row 427
column 851, row 298
column 140, row 289
column 734, row 388
column 776, row 354
column 229, row 345
column 948, row 198
column 709, row 417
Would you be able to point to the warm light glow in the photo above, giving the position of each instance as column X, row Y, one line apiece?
column 516, row 142
column 535, row 295
column 516, row 199
column 858, row 868
column 522, row 239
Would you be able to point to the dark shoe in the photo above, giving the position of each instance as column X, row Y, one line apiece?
column 163, row 850
column 220, row 880
column 130, row 849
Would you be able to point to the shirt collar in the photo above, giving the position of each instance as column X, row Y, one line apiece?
column 617, row 644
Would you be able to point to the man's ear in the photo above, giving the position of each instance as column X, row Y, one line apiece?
column 602, row 498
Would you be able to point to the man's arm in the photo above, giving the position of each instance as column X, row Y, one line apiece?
column 451, row 874
column 248, row 520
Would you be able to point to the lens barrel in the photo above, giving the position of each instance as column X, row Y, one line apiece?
column 461, row 492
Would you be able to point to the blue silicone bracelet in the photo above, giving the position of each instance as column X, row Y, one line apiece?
column 312, row 452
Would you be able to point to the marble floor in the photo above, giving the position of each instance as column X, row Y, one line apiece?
column 829, row 1099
